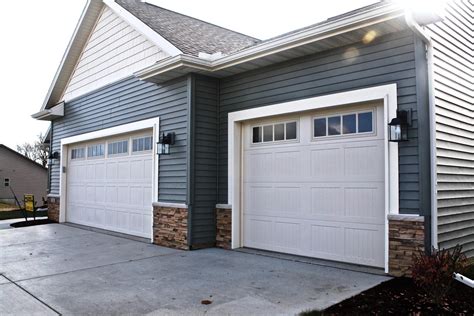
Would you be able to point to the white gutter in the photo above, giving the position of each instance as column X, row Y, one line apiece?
column 416, row 28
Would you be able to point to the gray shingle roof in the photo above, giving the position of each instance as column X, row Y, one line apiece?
column 189, row 35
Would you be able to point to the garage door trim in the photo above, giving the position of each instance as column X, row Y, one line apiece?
column 387, row 94
column 153, row 123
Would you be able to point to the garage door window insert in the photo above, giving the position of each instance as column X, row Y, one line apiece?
column 142, row 144
column 97, row 150
column 117, row 148
column 344, row 124
column 274, row 132
column 78, row 153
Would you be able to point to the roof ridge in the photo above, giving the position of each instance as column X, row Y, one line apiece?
column 191, row 17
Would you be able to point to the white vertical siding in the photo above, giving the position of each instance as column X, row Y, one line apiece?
column 114, row 50
column 453, row 41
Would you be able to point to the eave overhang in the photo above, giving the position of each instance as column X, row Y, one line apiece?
column 331, row 34
column 50, row 114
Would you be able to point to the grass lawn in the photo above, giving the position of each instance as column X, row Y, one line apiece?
column 400, row 296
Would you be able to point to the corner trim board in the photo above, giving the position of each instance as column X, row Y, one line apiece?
column 386, row 93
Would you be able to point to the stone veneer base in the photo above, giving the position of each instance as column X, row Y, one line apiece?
column 224, row 228
column 406, row 237
column 170, row 226
column 53, row 209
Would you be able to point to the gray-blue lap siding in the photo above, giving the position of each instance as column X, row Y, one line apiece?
column 128, row 101
column 204, row 138
column 389, row 59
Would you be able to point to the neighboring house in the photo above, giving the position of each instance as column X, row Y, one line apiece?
column 280, row 145
column 21, row 174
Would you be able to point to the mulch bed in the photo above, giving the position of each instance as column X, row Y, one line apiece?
column 400, row 296
column 20, row 214
column 31, row 223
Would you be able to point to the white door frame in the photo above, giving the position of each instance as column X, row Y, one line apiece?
column 386, row 93
column 153, row 123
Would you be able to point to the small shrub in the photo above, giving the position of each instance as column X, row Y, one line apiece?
column 433, row 272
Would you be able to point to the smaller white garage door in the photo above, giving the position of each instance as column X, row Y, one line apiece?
column 313, row 185
column 109, row 184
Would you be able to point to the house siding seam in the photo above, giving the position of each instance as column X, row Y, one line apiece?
column 389, row 59
column 203, row 228
column 454, row 100
column 128, row 101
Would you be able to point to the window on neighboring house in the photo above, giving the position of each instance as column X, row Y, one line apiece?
column 97, row 150
column 142, row 144
column 6, row 182
column 274, row 132
column 116, row 148
column 344, row 124
column 78, row 153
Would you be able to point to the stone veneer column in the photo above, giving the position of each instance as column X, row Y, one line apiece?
column 53, row 208
column 224, row 226
column 406, row 237
column 170, row 225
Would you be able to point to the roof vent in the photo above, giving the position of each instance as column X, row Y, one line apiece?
column 211, row 57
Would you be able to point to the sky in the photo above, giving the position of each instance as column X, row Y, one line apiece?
column 35, row 34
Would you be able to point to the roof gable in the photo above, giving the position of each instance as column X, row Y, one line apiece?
column 113, row 51
column 17, row 154
column 190, row 35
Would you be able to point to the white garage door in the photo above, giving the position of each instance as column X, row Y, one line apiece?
column 313, row 185
column 109, row 184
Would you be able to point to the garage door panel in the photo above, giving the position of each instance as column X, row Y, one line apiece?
column 365, row 163
column 316, row 198
column 327, row 241
column 364, row 202
column 327, row 164
column 327, row 201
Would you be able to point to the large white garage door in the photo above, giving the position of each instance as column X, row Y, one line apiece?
column 313, row 185
column 109, row 184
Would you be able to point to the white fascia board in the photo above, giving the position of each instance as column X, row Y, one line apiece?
column 279, row 44
column 142, row 28
column 65, row 55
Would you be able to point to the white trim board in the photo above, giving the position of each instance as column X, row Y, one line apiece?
column 386, row 93
column 153, row 123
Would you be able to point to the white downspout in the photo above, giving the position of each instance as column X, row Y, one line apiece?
column 416, row 28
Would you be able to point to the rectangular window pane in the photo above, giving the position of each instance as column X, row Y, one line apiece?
column 334, row 125
column 291, row 130
column 148, row 143
column 96, row 150
column 349, row 124
column 268, row 133
column 320, row 127
column 257, row 134
column 365, row 122
column 140, row 144
column 279, row 130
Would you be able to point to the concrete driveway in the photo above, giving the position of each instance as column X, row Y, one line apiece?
column 59, row 269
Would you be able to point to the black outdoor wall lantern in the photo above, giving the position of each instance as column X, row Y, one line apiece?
column 398, row 127
column 53, row 157
column 165, row 142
